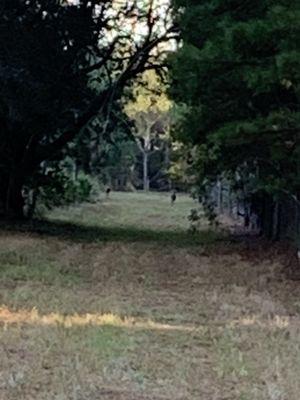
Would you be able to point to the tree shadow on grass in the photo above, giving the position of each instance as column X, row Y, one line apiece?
column 97, row 234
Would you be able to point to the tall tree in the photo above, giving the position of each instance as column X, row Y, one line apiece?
column 237, row 72
column 150, row 112
column 52, row 52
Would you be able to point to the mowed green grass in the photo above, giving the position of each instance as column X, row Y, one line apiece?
column 125, row 217
column 117, row 300
column 143, row 217
column 134, row 210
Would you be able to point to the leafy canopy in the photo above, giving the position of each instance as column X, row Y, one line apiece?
column 62, row 63
column 236, row 77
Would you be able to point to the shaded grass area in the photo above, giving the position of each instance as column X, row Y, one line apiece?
column 117, row 301
column 91, row 233
column 133, row 217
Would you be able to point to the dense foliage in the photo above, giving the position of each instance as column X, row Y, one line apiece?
column 62, row 63
column 236, row 78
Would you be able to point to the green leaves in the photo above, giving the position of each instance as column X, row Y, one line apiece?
column 237, row 72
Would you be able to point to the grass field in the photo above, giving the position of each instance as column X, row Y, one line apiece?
column 116, row 300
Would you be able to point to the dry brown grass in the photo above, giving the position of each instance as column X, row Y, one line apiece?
column 144, row 320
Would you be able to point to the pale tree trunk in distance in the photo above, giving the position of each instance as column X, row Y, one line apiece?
column 146, row 185
column 220, row 197
column 145, row 148
column 167, row 163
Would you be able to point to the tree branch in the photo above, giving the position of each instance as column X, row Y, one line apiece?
column 137, row 64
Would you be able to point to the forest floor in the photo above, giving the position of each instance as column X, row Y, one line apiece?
column 116, row 300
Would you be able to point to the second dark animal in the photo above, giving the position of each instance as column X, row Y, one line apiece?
column 108, row 190
column 173, row 198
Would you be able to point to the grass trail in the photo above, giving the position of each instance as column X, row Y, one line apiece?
column 116, row 300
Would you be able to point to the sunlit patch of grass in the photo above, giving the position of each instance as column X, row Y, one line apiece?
column 119, row 357
column 33, row 317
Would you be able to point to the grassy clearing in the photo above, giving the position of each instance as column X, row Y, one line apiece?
column 129, row 217
column 117, row 301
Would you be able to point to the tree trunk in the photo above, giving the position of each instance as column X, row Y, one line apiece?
column 230, row 206
column 31, row 203
column 14, row 207
column 145, row 172
column 276, row 221
column 220, row 197
column 75, row 171
column 267, row 216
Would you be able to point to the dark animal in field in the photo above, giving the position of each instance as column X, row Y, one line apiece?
column 108, row 190
column 251, row 220
column 173, row 198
